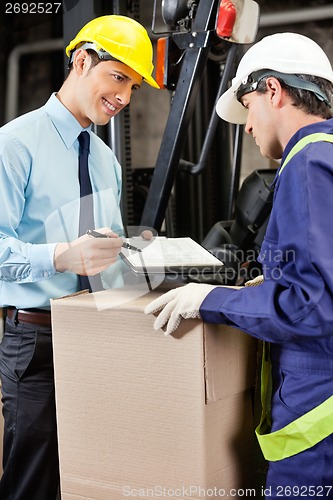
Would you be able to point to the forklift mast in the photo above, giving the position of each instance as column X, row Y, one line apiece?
column 208, row 35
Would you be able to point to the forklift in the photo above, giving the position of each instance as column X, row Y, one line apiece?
column 198, row 165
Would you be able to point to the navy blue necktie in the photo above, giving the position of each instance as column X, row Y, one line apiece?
column 86, row 219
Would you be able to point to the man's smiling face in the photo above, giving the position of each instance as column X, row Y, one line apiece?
column 103, row 91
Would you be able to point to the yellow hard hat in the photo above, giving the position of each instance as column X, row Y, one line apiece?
column 123, row 38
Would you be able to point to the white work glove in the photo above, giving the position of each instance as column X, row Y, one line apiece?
column 183, row 302
column 256, row 281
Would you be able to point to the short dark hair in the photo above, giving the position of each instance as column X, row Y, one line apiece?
column 94, row 58
column 305, row 99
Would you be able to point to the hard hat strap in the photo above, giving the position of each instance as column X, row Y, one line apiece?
column 102, row 54
column 294, row 81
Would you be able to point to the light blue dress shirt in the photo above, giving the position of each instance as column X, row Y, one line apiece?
column 40, row 199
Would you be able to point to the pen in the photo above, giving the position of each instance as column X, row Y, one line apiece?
column 96, row 234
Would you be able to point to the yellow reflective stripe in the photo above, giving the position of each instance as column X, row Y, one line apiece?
column 320, row 136
column 299, row 435
column 266, row 388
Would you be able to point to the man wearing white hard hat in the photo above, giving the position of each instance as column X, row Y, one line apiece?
column 56, row 177
column 282, row 92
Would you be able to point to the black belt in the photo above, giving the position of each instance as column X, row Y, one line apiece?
column 34, row 316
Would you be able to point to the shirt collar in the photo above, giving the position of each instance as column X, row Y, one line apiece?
column 66, row 124
column 322, row 126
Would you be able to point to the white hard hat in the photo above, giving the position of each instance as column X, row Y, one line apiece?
column 289, row 53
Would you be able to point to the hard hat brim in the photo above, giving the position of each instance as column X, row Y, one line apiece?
column 150, row 80
column 229, row 109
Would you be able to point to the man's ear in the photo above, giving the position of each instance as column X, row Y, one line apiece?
column 81, row 60
column 274, row 90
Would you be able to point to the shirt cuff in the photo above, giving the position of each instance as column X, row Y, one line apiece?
column 210, row 309
column 42, row 261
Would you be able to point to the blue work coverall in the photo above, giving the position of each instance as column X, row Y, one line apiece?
column 293, row 308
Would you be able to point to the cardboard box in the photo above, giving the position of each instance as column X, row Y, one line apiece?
column 145, row 415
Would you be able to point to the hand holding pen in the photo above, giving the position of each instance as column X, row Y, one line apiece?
column 146, row 235
column 96, row 234
column 88, row 256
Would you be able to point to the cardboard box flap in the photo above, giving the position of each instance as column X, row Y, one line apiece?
column 132, row 298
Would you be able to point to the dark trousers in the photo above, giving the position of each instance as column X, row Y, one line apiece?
column 30, row 456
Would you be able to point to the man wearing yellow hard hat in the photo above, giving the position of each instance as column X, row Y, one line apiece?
column 44, row 253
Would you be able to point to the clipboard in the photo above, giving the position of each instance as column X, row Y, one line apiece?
column 162, row 255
